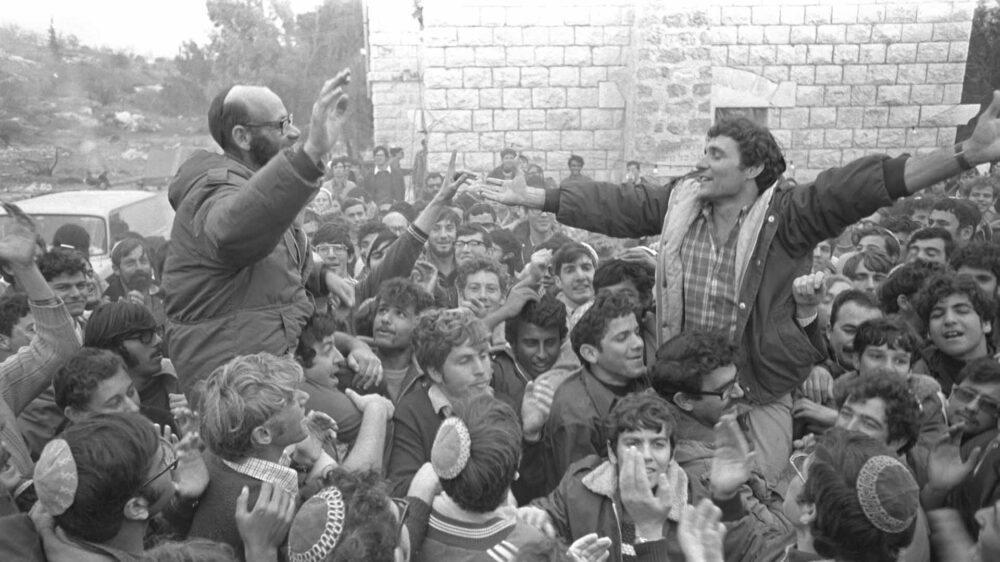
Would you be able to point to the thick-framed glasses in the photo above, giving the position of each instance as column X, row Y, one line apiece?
column 327, row 249
column 474, row 244
column 282, row 124
column 403, row 506
column 145, row 337
column 798, row 462
column 967, row 395
column 168, row 465
column 723, row 392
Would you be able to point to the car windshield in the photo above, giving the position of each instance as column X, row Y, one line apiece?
column 49, row 224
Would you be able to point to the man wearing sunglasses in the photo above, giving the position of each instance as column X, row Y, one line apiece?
column 129, row 330
column 239, row 266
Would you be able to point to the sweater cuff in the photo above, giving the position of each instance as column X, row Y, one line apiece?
column 420, row 235
column 653, row 550
column 551, row 204
column 309, row 170
column 732, row 509
column 894, row 169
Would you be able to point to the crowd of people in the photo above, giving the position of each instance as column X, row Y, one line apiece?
column 335, row 363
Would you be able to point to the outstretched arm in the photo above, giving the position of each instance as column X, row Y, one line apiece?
column 982, row 147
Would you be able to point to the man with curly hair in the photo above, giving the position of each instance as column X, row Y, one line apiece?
column 610, row 349
column 732, row 244
column 959, row 318
column 451, row 346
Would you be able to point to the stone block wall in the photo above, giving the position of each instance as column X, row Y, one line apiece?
column 642, row 79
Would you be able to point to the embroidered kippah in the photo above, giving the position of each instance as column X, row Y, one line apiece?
column 888, row 494
column 451, row 450
column 55, row 477
column 317, row 525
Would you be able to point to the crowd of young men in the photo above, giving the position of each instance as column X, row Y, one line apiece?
column 331, row 364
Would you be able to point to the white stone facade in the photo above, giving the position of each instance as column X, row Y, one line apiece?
column 623, row 80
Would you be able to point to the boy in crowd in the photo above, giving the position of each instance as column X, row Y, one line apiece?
column 534, row 339
column 482, row 288
column 65, row 271
column 452, row 349
column 897, row 291
column 959, row 318
column 981, row 261
column 573, row 268
column 129, row 330
column 476, row 455
column 974, row 403
column 471, row 242
column 634, row 490
column 399, row 303
column 867, row 269
column 253, row 409
column 876, row 239
column 931, row 244
column 610, row 349
column 958, row 216
column 94, row 381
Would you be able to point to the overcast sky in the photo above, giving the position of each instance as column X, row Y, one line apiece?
column 147, row 27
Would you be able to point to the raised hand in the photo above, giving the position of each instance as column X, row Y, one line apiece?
column 450, row 186
column 590, row 548
column 731, row 465
column 265, row 527
column 191, row 475
column 328, row 116
column 648, row 511
column 807, row 291
column 984, row 144
column 945, row 468
column 365, row 401
column 700, row 532
column 20, row 244
column 513, row 192
column 537, row 518
column 535, row 408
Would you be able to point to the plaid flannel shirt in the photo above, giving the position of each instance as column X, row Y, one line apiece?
column 710, row 276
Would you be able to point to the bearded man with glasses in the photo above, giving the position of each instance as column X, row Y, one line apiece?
column 239, row 271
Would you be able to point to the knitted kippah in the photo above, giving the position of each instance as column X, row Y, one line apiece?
column 55, row 477
column 888, row 494
column 317, row 527
column 451, row 450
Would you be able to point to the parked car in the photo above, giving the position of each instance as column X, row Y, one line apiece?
column 106, row 215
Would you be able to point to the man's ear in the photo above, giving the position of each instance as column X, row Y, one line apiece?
column 903, row 302
column 612, row 455
column 753, row 171
column 683, row 401
column 72, row 414
column 807, row 513
column 136, row 509
column 5, row 344
column 589, row 353
column 242, row 137
column 261, row 436
column 987, row 327
column 965, row 233
column 435, row 375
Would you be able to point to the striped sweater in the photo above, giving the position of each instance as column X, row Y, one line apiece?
column 495, row 540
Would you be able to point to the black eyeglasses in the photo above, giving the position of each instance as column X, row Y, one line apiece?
column 282, row 124
column 168, row 452
column 145, row 337
column 474, row 244
column 403, row 506
column 722, row 392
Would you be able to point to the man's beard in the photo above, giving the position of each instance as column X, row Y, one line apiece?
column 141, row 280
column 262, row 150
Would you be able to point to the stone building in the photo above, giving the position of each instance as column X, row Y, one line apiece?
column 619, row 80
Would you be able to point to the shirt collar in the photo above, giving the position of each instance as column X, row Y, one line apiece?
column 386, row 168
column 439, row 402
column 267, row 471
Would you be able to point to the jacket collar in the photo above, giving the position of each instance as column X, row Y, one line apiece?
column 603, row 481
